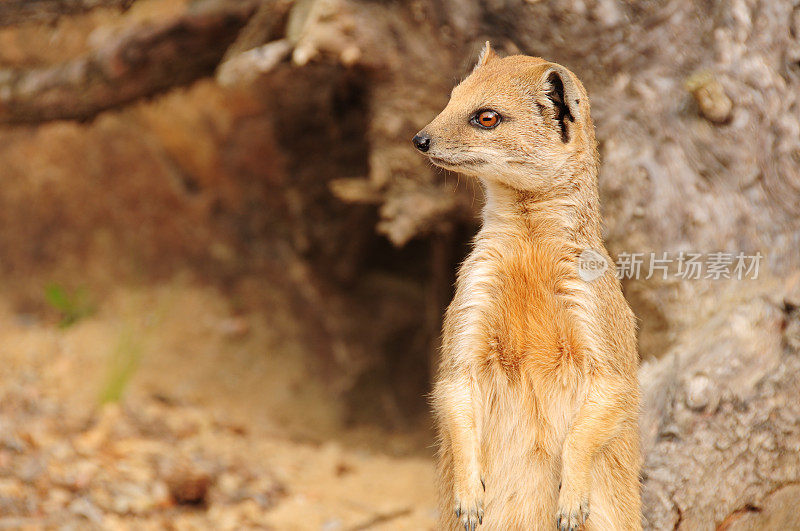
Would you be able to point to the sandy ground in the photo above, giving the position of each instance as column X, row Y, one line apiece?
column 218, row 426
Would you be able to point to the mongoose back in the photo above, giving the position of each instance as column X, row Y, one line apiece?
column 536, row 398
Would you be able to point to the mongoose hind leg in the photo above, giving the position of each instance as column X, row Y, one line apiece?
column 615, row 496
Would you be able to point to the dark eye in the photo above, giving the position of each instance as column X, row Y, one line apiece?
column 487, row 119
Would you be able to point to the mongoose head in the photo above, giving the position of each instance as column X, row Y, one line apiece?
column 518, row 121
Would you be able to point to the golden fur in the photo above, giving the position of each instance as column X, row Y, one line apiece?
column 536, row 396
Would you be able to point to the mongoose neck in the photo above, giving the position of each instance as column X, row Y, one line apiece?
column 569, row 211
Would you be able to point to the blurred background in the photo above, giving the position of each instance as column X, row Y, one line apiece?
column 223, row 267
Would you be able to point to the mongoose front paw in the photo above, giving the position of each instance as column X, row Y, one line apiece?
column 469, row 505
column 573, row 510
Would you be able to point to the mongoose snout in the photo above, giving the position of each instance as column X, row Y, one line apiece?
column 422, row 141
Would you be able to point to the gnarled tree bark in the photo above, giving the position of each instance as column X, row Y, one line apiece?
column 142, row 61
column 26, row 11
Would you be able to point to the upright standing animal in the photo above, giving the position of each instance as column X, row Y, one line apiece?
column 536, row 398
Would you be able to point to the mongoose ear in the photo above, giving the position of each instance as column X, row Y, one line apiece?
column 561, row 90
column 487, row 55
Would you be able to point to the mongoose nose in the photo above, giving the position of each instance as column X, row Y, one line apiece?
column 422, row 141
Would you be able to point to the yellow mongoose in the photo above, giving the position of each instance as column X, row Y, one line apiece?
column 536, row 399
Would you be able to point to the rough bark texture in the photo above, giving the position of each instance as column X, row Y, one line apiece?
column 721, row 424
column 144, row 60
column 25, row 11
column 281, row 178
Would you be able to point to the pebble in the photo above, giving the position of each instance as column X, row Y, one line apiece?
column 701, row 393
column 712, row 101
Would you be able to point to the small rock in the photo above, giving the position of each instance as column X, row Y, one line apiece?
column 57, row 499
column 701, row 393
column 85, row 508
column 714, row 104
column 229, row 485
column 189, row 487
column 160, row 494
column 90, row 441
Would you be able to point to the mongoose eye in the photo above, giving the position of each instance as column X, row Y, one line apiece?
column 487, row 119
